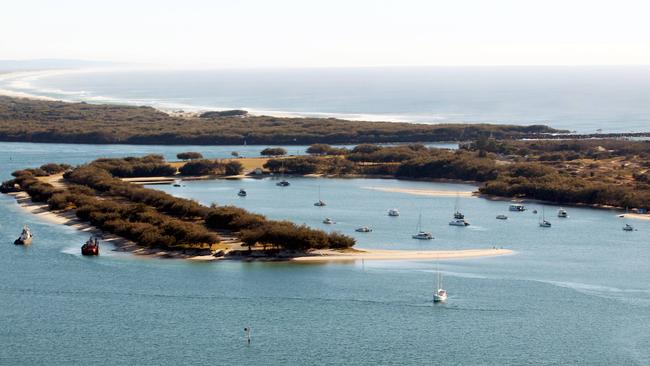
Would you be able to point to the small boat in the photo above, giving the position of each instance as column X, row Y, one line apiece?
column 25, row 237
column 393, row 212
column 628, row 227
column 177, row 183
column 517, row 207
column 440, row 295
column 562, row 213
column 363, row 229
column 458, row 222
column 328, row 221
column 535, row 212
column 543, row 222
column 91, row 247
column 421, row 235
column 282, row 183
column 502, row 217
column 242, row 193
column 320, row 203
column 457, row 214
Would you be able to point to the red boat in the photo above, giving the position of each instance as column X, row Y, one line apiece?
column 91, row 247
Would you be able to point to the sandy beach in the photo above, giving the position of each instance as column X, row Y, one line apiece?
column 636, row 216
column 383, row 254
column 124, row 245
column 424, row 192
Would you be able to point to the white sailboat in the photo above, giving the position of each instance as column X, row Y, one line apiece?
column 421, row 235
column 283, row 182
column 440, row 294
column 543, row 222
column 320, row 202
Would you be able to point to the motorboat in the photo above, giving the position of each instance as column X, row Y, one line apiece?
column 242, row 193
column 421, row 235
column 517, row 207
column 91, row 247
column 177, row 183
column 458, row 222
column 393, row 212
column 562, row 213
column 502, row 217
column 363, row 229
column 628, row 227
column 328, row 221
column 25, row 237
column 283, row 183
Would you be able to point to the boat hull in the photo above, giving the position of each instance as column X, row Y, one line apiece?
column 23, row 241
column 92, row 251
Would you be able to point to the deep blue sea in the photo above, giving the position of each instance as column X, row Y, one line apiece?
column 575, row 294
column 583, row 99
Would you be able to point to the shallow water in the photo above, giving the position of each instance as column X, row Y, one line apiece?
column 578, row 293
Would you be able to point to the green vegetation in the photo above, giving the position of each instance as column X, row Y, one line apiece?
column 190, row 155
column 273, row 151
column 156, row 219
column 47, row 121
column 596, row 172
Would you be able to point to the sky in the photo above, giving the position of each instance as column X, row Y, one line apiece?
column 331, row 33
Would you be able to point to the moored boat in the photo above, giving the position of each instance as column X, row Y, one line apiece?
column 562, row 213
column 628, row 227
column 458, row 222
column 393, row 212
column 440, row 294
column 242, row 193
column 328, row 221
column 502, row 217
column 363, row 229
column 91, row 247
column 421, row 235
column 25, row 237
column 517, row 207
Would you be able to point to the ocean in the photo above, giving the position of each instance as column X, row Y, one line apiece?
column 577, row 293
column 582, row 99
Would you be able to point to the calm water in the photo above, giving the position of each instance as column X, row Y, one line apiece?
column 578, row 293
column 614, row 99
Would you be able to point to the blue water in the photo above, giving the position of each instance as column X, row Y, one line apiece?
column 585, row 99
column 578, row 293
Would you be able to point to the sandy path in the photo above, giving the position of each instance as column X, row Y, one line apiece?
column 380, row 254
column 636, row 216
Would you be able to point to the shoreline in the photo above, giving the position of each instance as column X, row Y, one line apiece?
column 321, row 255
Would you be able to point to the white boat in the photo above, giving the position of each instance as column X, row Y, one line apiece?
column 421, row 235
column 393, row 212
column 458, row 222
column 543, row 222
column 283, row 182
column 628, row 227
column 242, row 193
column 517, row 207
column 320, row 202
column 328, row 221
column 25, row 237
column 502, row 217
column 562, row 213
column 440, row 294
column 363, row 229
column 177, row 183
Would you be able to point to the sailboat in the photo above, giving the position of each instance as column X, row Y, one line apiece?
column 440, row 294
column 421, row 235
column 283, row 182
column 320, row 202
column 562, row 213
column 544, row 222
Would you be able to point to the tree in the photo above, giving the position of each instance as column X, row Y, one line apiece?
column 234, row 168
column 273, row 151
column 190, row 155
